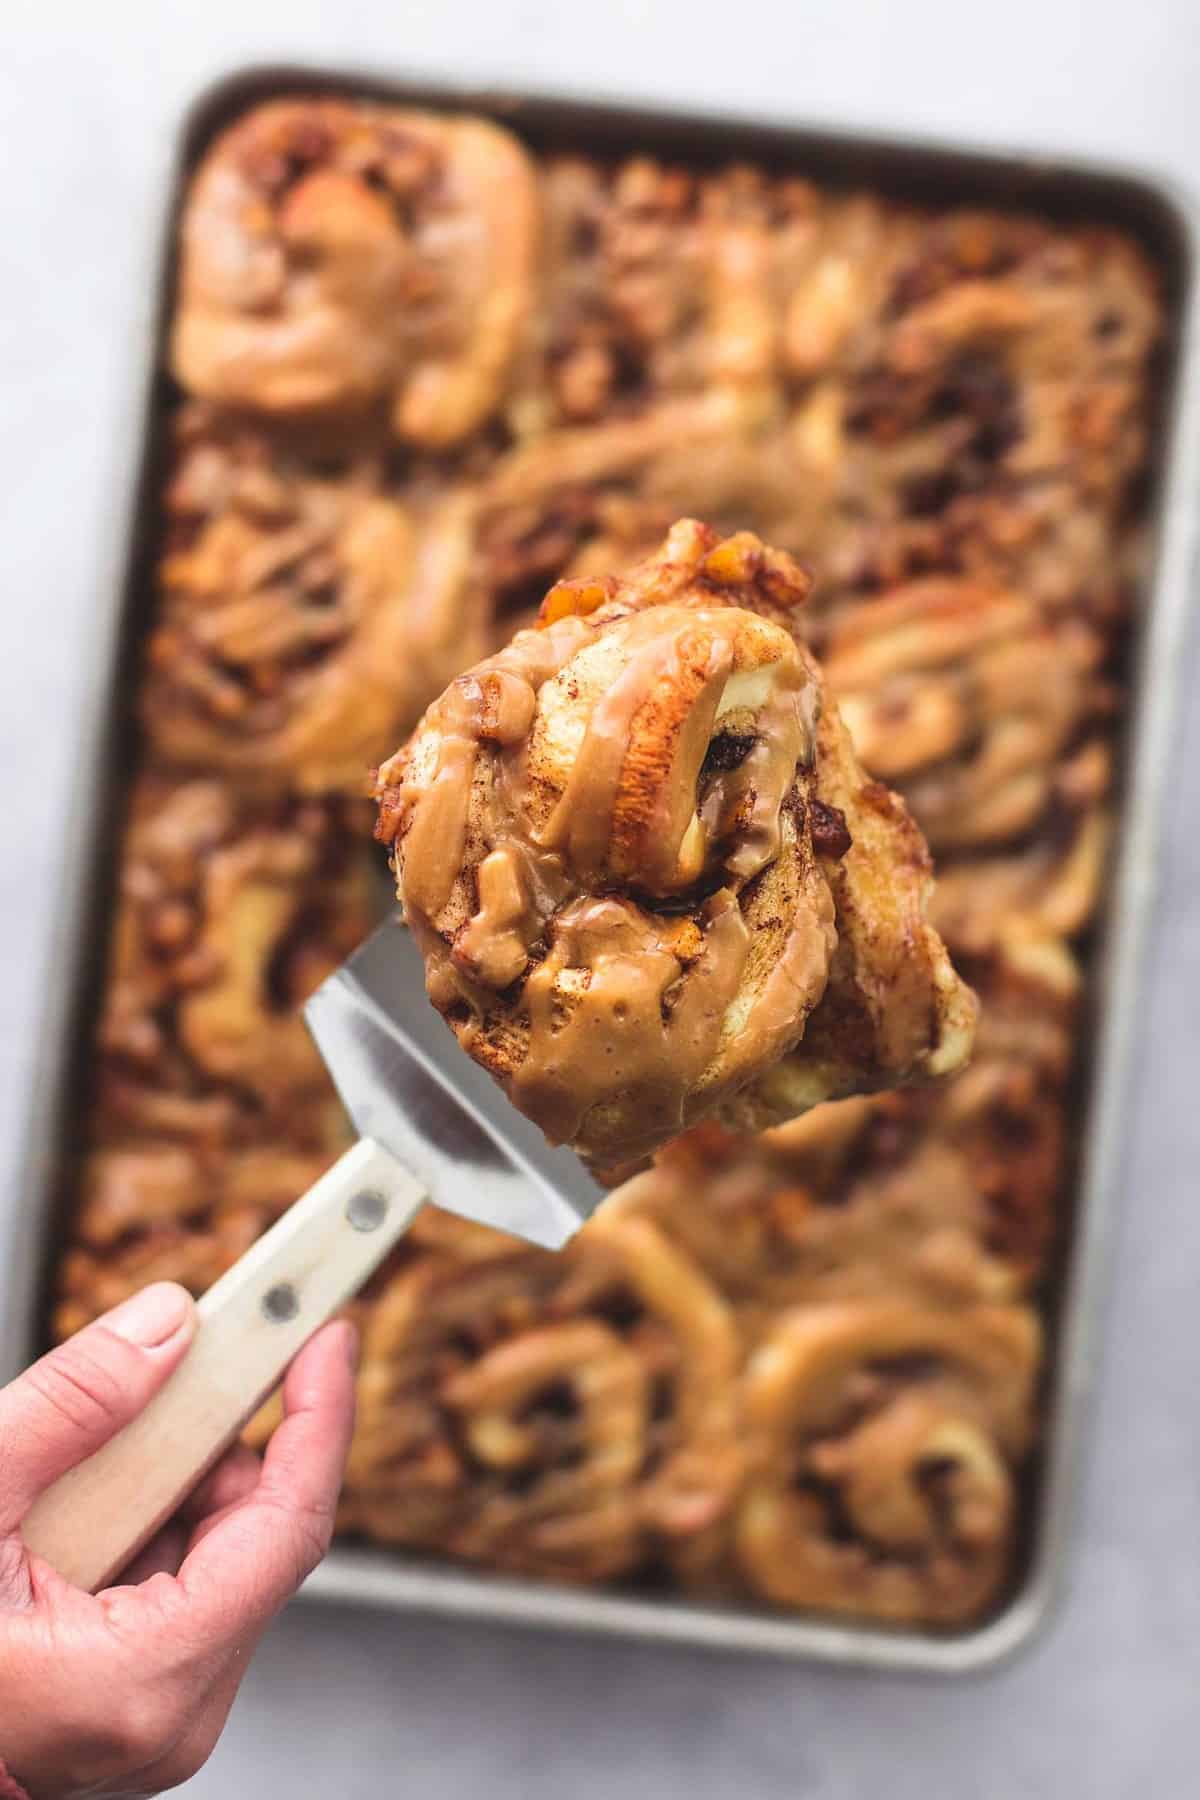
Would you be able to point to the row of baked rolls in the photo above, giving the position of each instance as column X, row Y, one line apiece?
column 885, row 391
column 338, row 255
column 593, row 1417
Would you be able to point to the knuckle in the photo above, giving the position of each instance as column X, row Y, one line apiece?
column 79, row 1388
column 310, row 1530
column 129, row 1612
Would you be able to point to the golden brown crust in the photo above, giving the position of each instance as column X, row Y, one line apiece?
column 894, row 1010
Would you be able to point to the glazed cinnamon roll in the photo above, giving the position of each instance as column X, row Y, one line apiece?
column 422, row 1469
column 588, row 501
column 304, row 617
column 988, row 413
column 338, row 256
column 556, row 1415
column 1025, row 338
column 660, row 282
column 887, row 1440
column 637, row 854
column 1063, row 324
column 944, row 687
column 230, row 912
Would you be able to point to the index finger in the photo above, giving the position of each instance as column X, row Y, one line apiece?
column 251, row 1560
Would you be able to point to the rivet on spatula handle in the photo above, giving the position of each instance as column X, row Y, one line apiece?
column 97, row 1517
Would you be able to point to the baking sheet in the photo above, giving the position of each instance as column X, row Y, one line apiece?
column 1166, row 226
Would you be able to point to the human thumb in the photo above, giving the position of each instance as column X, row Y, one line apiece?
column 70, row 1402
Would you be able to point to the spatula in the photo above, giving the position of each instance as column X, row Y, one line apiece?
column 432, row 1126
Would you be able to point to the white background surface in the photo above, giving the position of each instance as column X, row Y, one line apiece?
column 351, row 1705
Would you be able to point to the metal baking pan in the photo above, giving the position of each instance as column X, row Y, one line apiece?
column 1167, row 226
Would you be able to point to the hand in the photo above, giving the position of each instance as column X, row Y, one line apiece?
column 126, row 1692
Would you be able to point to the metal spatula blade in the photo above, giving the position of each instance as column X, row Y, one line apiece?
column 406, row 1083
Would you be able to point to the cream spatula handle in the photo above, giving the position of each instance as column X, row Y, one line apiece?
column 252, row 1323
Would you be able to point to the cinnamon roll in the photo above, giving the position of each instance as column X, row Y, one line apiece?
column 661, row 282
column 887, row 1441
column 1048, row 886
column 943, row 685
column 627, row 1274
column 339, row 256
column 1062, row 323
column 637, row 855
column 556, row 1415
column 990, row 411
column 230, row 912
column 422, row 1469
column 304, row 618
column 589, row 501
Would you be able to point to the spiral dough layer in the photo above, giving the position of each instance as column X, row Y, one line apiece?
column 885, row 1438
column 338, row 257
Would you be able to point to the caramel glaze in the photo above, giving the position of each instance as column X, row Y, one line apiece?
column 586, row 881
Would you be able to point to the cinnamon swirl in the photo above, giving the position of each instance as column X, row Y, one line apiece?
column 887, row 1440
column 337, row 256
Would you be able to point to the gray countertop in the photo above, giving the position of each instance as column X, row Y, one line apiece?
column 352, row 1704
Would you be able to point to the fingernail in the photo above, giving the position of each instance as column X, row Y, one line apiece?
column 151, row 1317
column 353, row 1345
